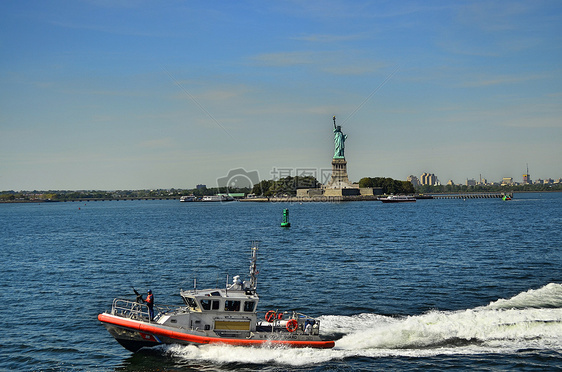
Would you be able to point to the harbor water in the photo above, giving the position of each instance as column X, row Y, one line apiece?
column 433, row 285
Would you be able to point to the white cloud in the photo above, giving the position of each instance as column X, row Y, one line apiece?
column 287, row 58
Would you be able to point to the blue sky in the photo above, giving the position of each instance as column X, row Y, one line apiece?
column 144, row 94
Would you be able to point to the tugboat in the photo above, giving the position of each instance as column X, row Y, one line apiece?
column 212, row 316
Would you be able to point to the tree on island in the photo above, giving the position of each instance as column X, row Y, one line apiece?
column 285, row 186
column 388, row 185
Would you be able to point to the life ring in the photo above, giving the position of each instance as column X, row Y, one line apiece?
column 270, row 316
column 292, row 325
column 279, row 316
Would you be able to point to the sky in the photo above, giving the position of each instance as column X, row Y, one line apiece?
column 123, row 94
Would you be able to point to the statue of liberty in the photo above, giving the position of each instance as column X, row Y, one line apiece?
column 339, row 141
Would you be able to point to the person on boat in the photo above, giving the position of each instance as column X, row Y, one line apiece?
column 236, row 283
column 150, row 303
column 308, row 326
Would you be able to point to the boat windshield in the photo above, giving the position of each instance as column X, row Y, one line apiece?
column 189, row 301
column 210, row 304
column 230, row 305
column 249, row 306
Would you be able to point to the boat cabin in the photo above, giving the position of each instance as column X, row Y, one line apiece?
column 228, row 312
column 220, row 300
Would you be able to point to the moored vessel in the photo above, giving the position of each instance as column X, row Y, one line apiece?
column 217, row 198
column 398, row 199
column 209, row 316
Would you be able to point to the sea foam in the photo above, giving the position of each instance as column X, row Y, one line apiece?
column 530, row 320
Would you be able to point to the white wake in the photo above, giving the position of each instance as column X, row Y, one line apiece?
column 531, row 321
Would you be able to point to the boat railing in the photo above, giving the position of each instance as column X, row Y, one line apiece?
column 137, row 310
column 280, row 319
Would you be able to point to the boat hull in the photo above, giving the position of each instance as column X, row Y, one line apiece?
column 398, row 201
column 134, row 335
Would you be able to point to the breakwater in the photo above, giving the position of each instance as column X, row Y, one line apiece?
column 476, row 195
column 331, row 199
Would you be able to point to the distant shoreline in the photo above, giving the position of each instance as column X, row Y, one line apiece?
column 256, row 200
column 91, row 199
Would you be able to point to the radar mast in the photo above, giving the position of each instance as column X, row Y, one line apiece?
column 253, row 266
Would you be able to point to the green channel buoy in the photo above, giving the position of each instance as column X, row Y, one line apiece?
column 285, row 222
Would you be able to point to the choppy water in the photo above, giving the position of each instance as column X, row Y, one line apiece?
column 431, row 285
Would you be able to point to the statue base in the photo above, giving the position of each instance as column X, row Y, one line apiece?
column 339, row 179
column 342, row 192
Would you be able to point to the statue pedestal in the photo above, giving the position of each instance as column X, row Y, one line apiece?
column 339, row 179
column 339, row 184
column 342, row 192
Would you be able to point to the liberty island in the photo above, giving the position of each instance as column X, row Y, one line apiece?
column 339, row 185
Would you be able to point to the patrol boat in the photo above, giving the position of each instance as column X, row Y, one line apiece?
column 212, row 316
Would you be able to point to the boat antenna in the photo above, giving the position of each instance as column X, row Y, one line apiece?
column 253, row 266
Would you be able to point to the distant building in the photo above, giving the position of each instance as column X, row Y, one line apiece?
column 548, row 181
column 201, row 187
column 527, row 177
column 450, row 183
column 471, row 182
column 413, row 180
column 428, row 179
column 506, row 181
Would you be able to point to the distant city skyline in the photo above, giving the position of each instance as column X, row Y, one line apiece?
column 120, row 95
column 433, row 180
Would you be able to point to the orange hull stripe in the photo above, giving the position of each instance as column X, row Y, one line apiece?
column 141, row 327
